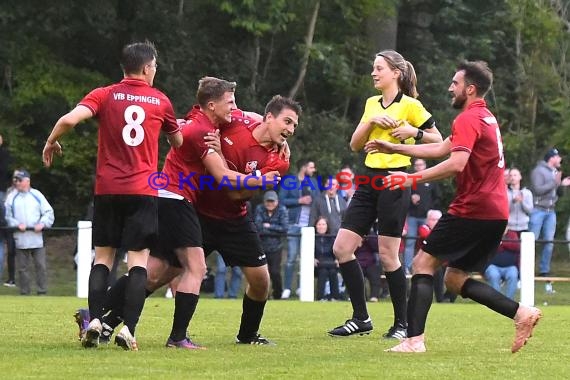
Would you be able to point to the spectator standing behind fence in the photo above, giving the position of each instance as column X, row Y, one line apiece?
column 29, row 211
column 504, row 266
column 326, row 263
column 424, row 197
column 369, row 260
column 330, row 205
column 271, row 220
column 546, row 179
column 520, row 203
column 298, row 198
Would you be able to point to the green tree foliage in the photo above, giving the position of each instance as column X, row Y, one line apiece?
column 52, row 55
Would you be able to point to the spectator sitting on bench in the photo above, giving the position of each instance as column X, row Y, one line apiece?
column 504, row 266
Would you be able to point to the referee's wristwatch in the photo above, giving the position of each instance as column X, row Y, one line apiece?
column 419, row 135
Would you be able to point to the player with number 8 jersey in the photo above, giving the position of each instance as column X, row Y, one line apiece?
column 131, row 115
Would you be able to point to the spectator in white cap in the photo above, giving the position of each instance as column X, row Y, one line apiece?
column 29, row 211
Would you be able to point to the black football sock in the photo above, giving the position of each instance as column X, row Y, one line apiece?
column 116, row 294
column 486, row 295
column 421, row 296
column 184, row 307
column 98, row 290
column 354, row 282
column 252, row 312
column 116, row 299
column 397, row 286
column 134, row 297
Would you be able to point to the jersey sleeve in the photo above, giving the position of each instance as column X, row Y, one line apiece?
column 194, row 133
column 368, row 109
column 94, row 99
column 170, row 125
column 464, row 133
column 418, row 115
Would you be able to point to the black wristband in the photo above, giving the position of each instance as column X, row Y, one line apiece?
column 419, row 135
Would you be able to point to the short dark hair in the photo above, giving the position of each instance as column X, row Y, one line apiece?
column 212, row 88
column 278, row 103
column 303, row 162
column 478, row 74
column 136, row 55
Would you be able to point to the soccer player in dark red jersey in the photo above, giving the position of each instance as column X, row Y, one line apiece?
column 179, row 228
column 131, row 115
column 249, row 148
column 471, row 230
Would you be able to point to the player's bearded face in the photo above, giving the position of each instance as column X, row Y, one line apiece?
column 459, row 99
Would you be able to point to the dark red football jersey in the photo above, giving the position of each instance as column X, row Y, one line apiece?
column 481, row 191
column 130, row 114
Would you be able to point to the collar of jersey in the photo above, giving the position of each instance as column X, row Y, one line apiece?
column 397, row 99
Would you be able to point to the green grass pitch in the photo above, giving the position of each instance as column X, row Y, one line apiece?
column 464, row 341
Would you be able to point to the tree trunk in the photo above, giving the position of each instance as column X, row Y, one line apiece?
column 382, row 29
column 180, row 14
column 308, row 46
column 255, row 65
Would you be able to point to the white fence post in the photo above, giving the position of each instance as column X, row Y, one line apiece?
column 527, row 268
column 84, row 236
column 307, row 264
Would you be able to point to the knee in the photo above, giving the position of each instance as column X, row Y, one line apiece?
column 152, row 280
column 454, row 283
column 491, row 274
column 199, row 269
column 343, row 251
column 385, row 256
column 260, row 283
column 513, row 274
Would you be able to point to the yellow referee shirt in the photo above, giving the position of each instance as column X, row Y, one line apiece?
column 402, row 108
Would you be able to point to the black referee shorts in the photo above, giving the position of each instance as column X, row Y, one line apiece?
column 371, row 201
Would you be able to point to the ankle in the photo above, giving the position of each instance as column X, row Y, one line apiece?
column 414, row 340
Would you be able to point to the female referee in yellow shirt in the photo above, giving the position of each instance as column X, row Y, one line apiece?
column 396, row 116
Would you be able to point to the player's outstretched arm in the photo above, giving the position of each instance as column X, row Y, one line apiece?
column 63, row 125
column 437, row 150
